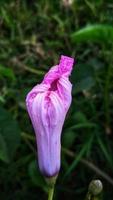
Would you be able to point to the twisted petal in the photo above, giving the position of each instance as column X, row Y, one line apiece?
column 47, row 105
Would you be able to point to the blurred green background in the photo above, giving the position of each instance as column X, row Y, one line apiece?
column 33, row 35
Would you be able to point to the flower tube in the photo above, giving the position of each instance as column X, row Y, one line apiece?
column 47, row 104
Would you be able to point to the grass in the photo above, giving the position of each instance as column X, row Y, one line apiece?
column 33, row 35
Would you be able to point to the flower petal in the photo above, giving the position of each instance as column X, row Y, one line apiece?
column 47, row 104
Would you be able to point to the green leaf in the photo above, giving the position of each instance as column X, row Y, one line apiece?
column 82, row 78
column 80, row 117
column 36, row 176
column 94, row 33
column 68, row 138
column 79, row 156
column 76, row 160
column 83, row 125
column 105, row 152
column 10, row 135
column 7, row 72
column 3, row 150
column 84, row 84
column 9, row 21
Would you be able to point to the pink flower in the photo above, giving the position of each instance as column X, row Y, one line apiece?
column 47, row 104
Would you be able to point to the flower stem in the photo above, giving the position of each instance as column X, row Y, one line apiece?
column 51, row 185
column 50, row 193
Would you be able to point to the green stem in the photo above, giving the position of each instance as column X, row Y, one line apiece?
column 89, row 197
column 51, row 193
column 107, row 85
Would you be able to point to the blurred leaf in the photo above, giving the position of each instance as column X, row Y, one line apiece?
column 7, row 72
column 105, row 152
column 79, row 156
column 76, row 160
column 96, row 64
column 96, row 2
column 68, row 138
column 82, row 78
column 80, row 117
column 10, row 134
column 36, row 176
column 3, row 150
column 84, row 84
column 2, row 99
column 90, row 144
column 98, row 33
column 91, row 5
column 6, row 17
column 83, row 125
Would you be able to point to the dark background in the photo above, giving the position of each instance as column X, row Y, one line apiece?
column 33, row 35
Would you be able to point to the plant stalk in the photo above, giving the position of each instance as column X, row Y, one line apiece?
column 51, row 185
column 50, row 193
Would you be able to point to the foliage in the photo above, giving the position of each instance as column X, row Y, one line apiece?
column 33, row 35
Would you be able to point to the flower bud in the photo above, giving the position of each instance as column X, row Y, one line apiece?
column 95, row 187
column 47, row 104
